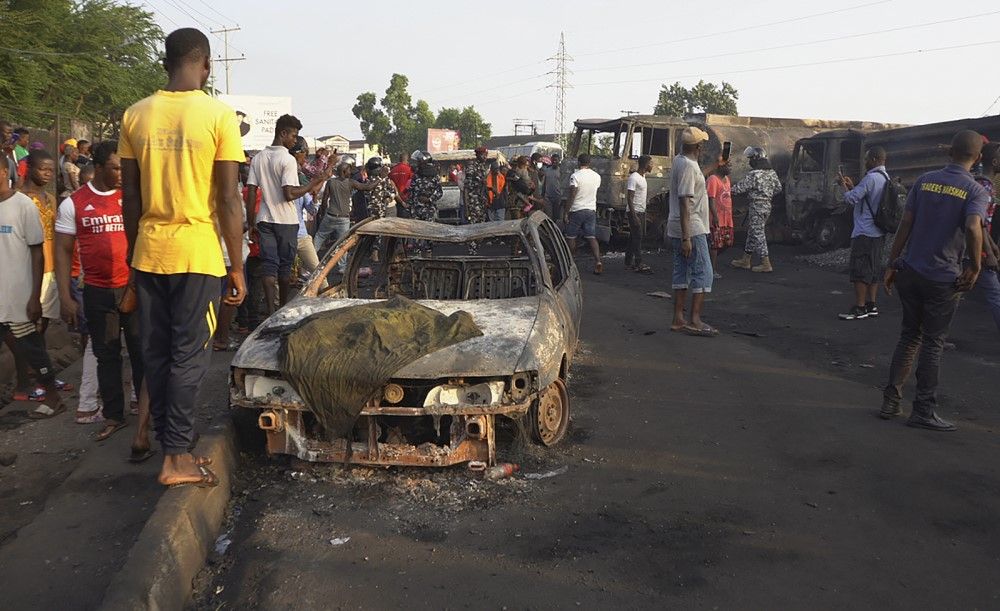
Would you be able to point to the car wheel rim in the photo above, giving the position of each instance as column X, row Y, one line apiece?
column 552, row 416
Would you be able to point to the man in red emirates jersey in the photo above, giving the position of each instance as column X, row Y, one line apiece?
column 92, row 217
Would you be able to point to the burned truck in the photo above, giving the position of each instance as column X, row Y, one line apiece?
column 616, row 144
column 814, row 205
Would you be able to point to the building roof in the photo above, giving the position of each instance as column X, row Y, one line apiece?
column 498, row 141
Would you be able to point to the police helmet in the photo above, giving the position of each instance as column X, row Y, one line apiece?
column 373, row 165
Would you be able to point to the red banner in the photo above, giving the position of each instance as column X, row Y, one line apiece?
column 442, row 140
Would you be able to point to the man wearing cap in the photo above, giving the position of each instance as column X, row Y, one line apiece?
column 474, row 194
column 688, row 228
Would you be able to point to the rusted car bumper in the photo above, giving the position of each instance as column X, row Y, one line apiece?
column 434, row 435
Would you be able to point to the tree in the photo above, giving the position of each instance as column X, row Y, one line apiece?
column 85, row 59
column 399, row 125
column 677, row 101
column 468, row 122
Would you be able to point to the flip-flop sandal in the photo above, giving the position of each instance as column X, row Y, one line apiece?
column 66, row 386
column 90, row 418
column 232, row 346
column 35, row 394
column 108, row 431
column 202, row 461
column 139, row 455
column 208, row 480
column 43, row 412
column 705, row 331
column 644, row 269
column 598, row 268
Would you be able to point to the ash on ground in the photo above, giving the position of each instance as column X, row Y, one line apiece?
column 834, row 260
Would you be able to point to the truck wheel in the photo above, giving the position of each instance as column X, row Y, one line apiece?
column 548, row 417
column 831, row 232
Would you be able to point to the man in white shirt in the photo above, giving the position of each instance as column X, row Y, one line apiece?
column 581, row 218
column 275, row 172
column 688, row 227
column 636, row 196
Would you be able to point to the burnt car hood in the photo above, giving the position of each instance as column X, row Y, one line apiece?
column 506, row 325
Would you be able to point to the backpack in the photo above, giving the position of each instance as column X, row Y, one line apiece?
column 889, row 214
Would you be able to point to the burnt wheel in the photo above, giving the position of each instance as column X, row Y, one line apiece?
column 549, row 415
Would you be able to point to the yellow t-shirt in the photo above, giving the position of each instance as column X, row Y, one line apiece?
column 47, row 214
column 176, row 137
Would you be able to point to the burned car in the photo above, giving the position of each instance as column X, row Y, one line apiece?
column 522, row 290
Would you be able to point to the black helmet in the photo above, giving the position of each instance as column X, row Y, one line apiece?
column 373, row 165
column 418, row 157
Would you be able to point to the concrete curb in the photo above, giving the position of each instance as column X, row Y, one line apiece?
column 178, row 536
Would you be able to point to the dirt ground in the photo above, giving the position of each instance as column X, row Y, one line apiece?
column 747, row 470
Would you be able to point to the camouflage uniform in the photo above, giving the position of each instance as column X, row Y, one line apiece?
column 760, row 186
column 476, row 202
column 380, row 196
column 429, row 188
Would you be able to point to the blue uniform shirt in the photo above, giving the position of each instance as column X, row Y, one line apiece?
column 866, row 197
column 940, row 202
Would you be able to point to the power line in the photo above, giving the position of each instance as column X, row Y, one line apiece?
column 222, row 23
column 990, row 107
column 174, row 3
column 481, row 78
column 797, row 44
column 226, row 60
column 735, row 30
column 801, row 65
column 160, row 13
column 504, row 85
column 211, row 8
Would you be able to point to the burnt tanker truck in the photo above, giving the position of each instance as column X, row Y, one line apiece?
column 813, row 203
column 616, row 144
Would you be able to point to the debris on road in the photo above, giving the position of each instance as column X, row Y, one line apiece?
column 339, row 540
column 502, row 471
column 8, row 458
column 222, row 544
column 660, row 294
column 548, row 474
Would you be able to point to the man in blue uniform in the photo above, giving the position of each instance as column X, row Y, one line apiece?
column 943, row 221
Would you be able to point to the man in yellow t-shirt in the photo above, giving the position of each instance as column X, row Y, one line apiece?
column 180, row 152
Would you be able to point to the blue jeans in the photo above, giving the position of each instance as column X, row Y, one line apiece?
column 498, row 214
column 989, row 285
column 331, row 229
column 694, row 272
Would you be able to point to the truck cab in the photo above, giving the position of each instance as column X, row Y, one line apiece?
column 615, row 145
column 814, row 202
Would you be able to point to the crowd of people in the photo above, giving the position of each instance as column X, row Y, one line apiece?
column 169, row 234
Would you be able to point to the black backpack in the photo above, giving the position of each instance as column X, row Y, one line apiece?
column 889, row 214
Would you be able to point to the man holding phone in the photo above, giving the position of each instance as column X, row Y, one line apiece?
column 942, row 222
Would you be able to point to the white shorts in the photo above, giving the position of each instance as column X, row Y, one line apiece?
column 50, row 296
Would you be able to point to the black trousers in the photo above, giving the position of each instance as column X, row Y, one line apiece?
column 928, row 308
column 106, row 325
column 177, row 317
column 637, row 230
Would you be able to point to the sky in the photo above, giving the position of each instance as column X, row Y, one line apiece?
column 784, row 57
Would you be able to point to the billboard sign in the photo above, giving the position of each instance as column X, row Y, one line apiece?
column 442, row 140
column 256, row 115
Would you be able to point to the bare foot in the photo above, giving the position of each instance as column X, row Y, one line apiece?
column 185, row 469
column 678, row 325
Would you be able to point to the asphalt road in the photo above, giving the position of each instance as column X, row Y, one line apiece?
column 743, row 471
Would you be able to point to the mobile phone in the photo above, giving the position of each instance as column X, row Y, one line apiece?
column 727, row 148
column 840, row 169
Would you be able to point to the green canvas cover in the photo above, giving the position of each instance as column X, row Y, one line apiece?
column 338, row 360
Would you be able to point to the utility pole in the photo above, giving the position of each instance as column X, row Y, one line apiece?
column 226, row 60
column 561, row 84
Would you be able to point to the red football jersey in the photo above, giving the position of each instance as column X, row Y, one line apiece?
column 95, row 218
